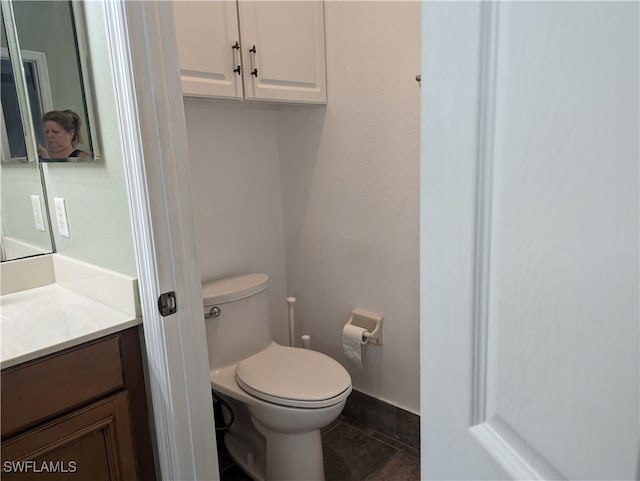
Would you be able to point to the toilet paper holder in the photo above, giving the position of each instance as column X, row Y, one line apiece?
column 371, row 322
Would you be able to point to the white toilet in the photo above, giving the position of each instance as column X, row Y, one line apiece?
column 280, row 396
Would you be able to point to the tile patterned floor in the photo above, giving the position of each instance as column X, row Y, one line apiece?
column 354, row 453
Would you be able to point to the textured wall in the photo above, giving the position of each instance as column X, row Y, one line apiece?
column 235, row 176
column 350, row 193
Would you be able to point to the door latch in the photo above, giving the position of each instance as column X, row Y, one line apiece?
column 167, row 303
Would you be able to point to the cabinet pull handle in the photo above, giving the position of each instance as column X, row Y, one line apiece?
column 254, row 70
column 236, row 47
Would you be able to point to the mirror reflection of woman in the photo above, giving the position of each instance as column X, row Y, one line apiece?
column 61, row 133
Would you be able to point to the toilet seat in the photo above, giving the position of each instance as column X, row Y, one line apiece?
column 294, row 377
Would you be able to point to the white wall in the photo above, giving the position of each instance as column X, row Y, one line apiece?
column 340, row 180
column 350, row 193
column 235, row 177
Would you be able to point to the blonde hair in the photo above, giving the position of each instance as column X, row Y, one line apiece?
column 68, row 120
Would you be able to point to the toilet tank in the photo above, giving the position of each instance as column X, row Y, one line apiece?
column 239, row 327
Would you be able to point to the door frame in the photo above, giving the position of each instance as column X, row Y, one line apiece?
column 153, row 132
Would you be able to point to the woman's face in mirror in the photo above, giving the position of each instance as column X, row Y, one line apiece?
column 57, row 138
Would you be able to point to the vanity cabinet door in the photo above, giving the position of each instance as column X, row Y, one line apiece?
column 208, row 42
column 93, row 443
column 284, row 50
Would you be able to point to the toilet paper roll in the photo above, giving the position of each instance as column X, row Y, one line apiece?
column 352, row 342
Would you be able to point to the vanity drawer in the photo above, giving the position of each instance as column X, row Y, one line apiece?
column 40, row 389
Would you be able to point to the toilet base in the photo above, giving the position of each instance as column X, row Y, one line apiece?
column 252, row 463
column 279, row 463
column 293, row 457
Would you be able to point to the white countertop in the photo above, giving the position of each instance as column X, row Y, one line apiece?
column 39, row 321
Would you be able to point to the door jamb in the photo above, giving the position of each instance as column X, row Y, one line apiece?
column 153, row 131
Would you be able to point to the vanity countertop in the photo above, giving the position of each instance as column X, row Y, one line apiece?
column 39, row 321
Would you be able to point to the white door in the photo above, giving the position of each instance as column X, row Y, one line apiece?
column 208, row 48
column 283, row 50
column 150, row 117
column 529, row 240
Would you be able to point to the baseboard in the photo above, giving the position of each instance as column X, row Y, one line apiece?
column 383, row 417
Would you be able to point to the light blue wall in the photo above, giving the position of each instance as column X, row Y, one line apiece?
column 95, row 193
column 18, row 182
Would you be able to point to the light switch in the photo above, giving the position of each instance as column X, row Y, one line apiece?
column 37, row 212
column 61, row 217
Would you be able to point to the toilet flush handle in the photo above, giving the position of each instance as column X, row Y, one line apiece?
column 213, row 312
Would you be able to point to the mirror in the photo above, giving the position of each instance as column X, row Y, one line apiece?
column 57, row 104
column 46, row 115
column 21, row 187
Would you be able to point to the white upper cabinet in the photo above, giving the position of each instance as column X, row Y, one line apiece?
column 277, row 48
column 283, row 49
column 209, row 48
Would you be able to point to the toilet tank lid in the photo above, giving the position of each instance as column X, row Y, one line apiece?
column 233, row 288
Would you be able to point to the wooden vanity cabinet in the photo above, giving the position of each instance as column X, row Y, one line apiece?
column 79, row 414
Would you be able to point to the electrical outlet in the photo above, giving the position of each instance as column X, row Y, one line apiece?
column 61, row 217
column 37, row 212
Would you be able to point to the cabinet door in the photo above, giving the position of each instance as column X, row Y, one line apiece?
column 289, row 50
column 92, row 443
column 206, row 33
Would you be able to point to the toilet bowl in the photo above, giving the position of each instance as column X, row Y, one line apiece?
column 280, row 396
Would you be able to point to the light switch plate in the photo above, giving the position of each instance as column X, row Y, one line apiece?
column 37, row 212
column 61, row 217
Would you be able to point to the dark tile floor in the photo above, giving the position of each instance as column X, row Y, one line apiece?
column 354, row 453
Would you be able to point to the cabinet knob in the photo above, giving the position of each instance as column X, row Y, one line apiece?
column 254, row 72
column 236, row 46
column 253, row 49
column 238, row 69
